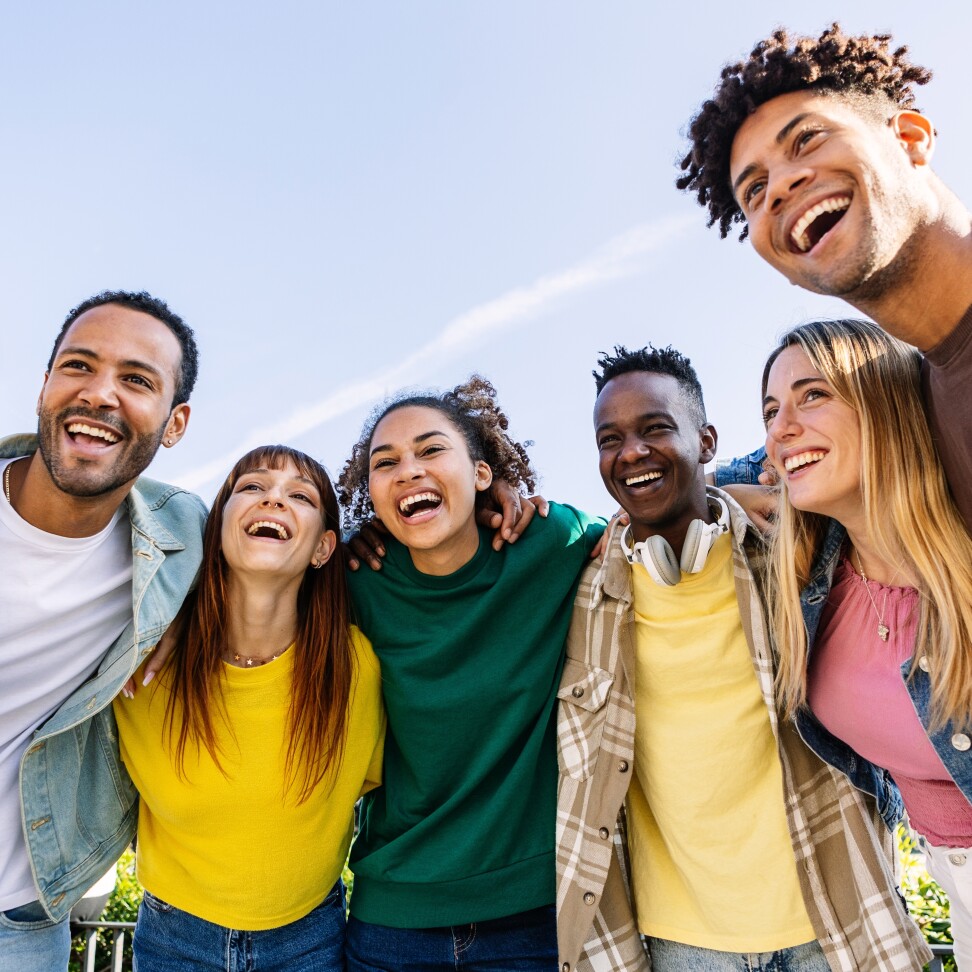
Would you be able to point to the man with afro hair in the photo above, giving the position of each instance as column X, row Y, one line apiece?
column 814, row 147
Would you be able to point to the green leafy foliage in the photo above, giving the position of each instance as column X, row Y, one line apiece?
column 122, row 906
column 926, row 900
column 348, row 879
column 127, row 896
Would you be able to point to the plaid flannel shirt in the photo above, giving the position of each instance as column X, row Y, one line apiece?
column 843, row 851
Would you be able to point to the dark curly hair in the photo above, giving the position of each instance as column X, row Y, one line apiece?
column 659, row 361
column 473, row 409
column 862, row 69
column 154, row 307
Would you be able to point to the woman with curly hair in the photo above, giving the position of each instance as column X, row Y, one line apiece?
column 456, row 863
column 871, row 587
column 251, row 747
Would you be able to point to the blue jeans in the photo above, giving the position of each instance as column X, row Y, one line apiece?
column 170, row 940
column 526, row 942
column 669, row 956
column 31, row 942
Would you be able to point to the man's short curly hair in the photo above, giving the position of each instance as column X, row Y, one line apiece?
column 864, row 69
column 473, row 409
column 155, row 307
column 657, row 361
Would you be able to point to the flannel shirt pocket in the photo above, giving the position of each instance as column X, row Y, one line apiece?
column 583, row 696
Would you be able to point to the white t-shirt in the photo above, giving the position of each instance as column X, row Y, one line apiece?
column 63, row 602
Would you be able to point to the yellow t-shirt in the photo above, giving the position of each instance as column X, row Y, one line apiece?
column 238, row 850
column 711, row 858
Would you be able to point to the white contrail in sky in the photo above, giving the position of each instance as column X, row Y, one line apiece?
column 618, row 258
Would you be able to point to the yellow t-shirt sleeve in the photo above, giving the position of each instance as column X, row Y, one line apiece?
column 234, row 845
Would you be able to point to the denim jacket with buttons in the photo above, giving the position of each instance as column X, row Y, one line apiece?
column 79, row 805
column 862, row 773
column 953, row 744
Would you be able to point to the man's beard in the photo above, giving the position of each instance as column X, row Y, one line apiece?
column 878, row 267
column 878, row 285
column 88, row 479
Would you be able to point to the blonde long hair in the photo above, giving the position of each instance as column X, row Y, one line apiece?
column 909, row 515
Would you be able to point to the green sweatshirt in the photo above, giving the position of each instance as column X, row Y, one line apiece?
column 463, row 828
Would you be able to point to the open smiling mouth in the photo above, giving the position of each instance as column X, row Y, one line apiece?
column 419, row 503
column 642, row 480
column 816, row 222
column 88, row 434
column 268, row 530
column 793, row 463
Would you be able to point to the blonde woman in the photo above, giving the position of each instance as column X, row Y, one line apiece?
column 871, row 586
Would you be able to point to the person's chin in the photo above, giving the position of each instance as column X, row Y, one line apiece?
column 86, row 479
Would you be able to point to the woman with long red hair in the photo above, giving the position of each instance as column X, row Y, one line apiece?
column 252, row 745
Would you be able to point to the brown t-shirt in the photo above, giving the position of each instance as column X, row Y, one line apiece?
column 947, row 383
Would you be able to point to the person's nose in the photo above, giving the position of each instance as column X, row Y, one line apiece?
column 786, row 179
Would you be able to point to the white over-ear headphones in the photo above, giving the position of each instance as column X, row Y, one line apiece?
column 659, row 558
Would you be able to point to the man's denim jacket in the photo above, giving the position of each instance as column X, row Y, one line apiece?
column 952, row 743
column 743, row 469
column 79, row 805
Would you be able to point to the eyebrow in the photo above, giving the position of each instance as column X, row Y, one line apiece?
column 645, row 417
column 416, row 440
column 789, row 126
column 127, row 363
column 799, row 383
column 780, row 139
column 743, row 176
column 265, row 471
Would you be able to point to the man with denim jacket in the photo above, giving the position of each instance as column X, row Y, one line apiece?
column 98, row 563
column 695, row 830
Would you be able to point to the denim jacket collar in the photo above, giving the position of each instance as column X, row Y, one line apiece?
column 141, row 512
column 825, row 560
column 813, row 597
column 144, row 520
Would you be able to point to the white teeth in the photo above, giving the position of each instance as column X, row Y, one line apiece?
column 645, row 478
column 75, row 427
column 409, row 501
column 798, row 234
column 803, row 459
column 281, row 530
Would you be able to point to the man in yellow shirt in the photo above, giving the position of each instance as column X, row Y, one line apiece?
column 742, row 850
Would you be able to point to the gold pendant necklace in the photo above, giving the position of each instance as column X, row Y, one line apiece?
column 882, row 629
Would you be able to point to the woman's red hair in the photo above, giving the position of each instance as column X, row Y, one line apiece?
column 323, row 659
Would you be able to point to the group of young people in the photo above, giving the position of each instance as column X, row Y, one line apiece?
column 687, row 752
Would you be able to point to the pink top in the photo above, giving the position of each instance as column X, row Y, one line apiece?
column 856, row 690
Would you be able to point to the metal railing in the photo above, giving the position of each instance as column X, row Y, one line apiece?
column 119, row 931
column 941, row 952
column 122, row 929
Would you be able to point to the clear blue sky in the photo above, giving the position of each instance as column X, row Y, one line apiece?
column 343, row 199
